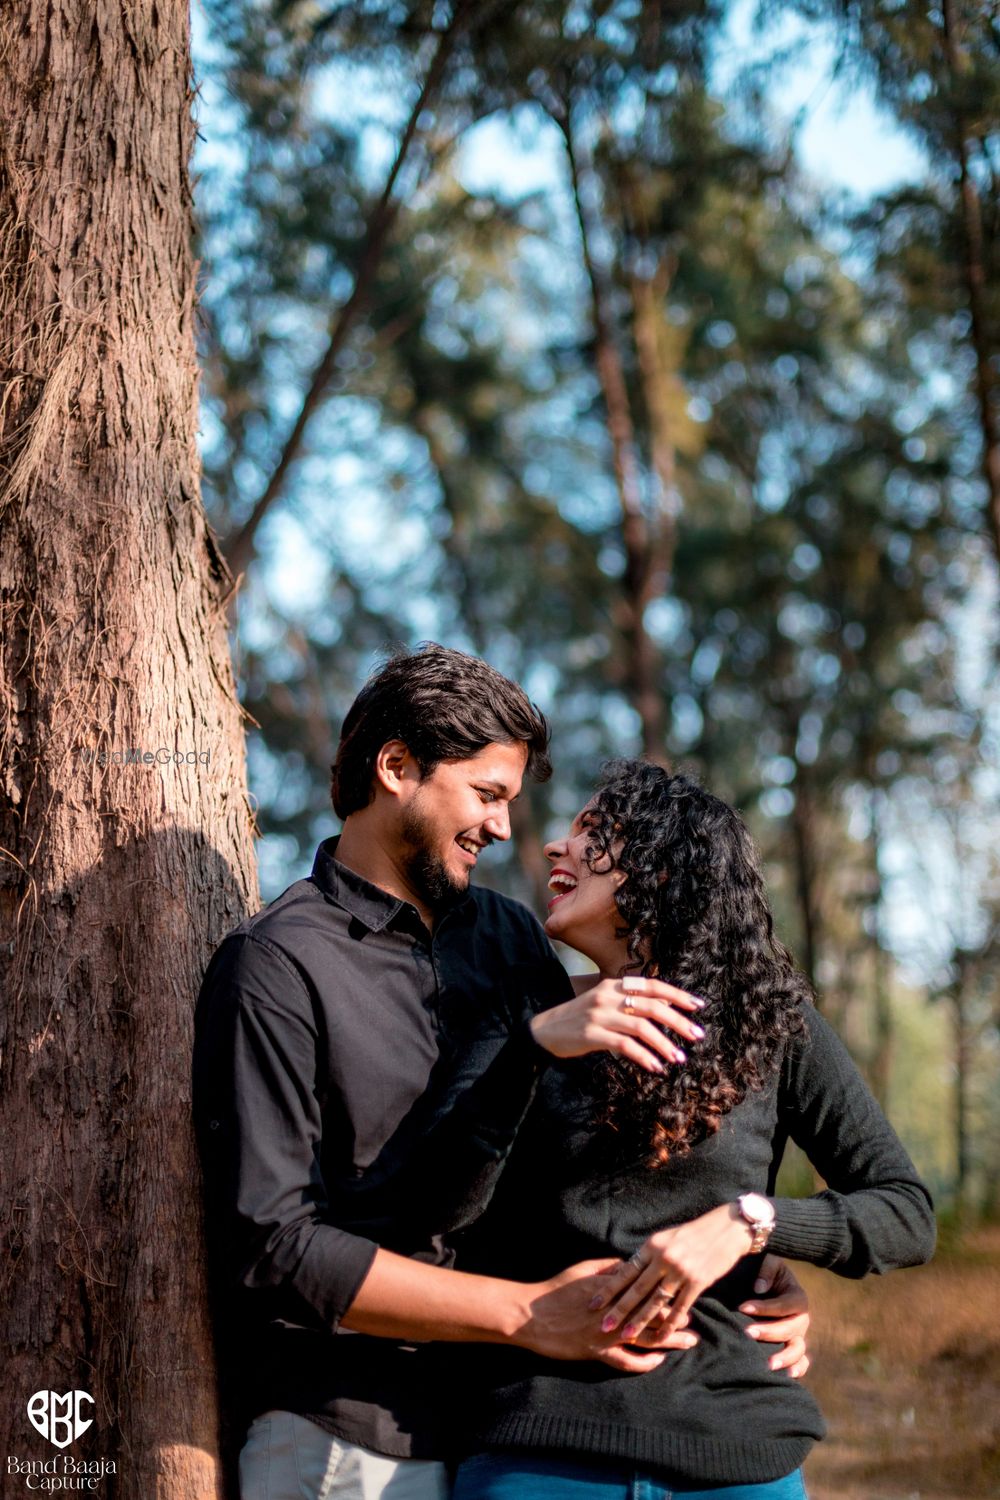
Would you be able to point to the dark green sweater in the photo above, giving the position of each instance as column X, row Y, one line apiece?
column 715, row 1414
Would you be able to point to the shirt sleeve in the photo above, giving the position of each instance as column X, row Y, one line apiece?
column 454, row 1172
column 257, row 1118
column 875, row 1214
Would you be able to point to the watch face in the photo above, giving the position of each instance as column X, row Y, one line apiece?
column 757, row 1208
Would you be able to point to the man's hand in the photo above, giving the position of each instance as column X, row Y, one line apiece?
column 561, row 1323
column 783, row 1307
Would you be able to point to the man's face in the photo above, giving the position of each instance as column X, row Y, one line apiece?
column 453, row 813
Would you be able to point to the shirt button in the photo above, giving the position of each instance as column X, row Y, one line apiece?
column 213, row 1124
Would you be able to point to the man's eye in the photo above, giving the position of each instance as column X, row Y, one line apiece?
column 486, row 796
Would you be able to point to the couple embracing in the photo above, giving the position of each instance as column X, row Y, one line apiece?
column 479, row 1230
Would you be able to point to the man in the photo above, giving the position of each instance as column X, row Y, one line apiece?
column 363, row 1057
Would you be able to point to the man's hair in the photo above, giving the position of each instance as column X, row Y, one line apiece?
column 443, row 705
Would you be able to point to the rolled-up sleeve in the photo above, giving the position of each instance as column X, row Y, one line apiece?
column 256, row 1095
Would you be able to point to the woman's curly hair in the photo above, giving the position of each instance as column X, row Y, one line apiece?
column 695, row 912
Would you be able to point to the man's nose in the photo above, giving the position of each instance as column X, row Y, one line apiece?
column 497, row 823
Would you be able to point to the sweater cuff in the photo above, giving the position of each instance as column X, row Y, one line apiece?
column 810, row 1229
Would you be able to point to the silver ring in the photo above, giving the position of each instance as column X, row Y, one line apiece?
column 627, row 1005
column 636, row 1259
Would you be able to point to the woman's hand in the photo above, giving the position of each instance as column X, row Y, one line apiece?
column 623, row 1016
column 666, row 1274
column 560, row 1324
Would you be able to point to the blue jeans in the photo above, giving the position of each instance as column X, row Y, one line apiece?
column 497, row 1476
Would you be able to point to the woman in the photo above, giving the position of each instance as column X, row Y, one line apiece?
column 674, row 1168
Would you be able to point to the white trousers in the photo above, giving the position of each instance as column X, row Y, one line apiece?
column 287, row 1457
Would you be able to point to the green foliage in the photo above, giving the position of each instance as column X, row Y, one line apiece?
column 802, row 430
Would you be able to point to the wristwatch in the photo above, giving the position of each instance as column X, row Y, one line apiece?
column 758, row 1212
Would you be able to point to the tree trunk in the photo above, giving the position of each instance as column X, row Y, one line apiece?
column 882, row 1018
column 974, row 273
column 241, row 547
column 640, row 578
column 804, row 844
column 963, row 1058
column 116, row 879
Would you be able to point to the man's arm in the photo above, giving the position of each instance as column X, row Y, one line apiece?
column 259, row 1125
column 407, row 1299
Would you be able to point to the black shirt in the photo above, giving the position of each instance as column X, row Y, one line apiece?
column 356, row 1083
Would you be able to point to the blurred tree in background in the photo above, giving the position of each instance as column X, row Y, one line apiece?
column 522, row 332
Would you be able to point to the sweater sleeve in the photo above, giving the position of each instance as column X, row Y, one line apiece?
column 875, row 1213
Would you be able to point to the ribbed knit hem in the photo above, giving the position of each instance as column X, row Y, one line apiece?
column 684, row 1456
column 812, row 1229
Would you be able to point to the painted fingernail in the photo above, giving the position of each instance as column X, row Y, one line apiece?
column 748, row 1307
column 760, row 1285
column 595, row 1302
column 699, row 1031
column 629, row 1331
column 753, row 1333
column 609, row 1323
column 679, row 1056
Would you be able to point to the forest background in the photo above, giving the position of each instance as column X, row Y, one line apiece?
column 650, row 350
column 528, row 329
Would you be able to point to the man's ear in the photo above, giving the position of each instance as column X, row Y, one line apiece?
column 395, row 768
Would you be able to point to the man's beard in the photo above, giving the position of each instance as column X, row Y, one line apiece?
column 425, row 870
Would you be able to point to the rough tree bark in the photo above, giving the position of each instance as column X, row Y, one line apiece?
column 116, row 880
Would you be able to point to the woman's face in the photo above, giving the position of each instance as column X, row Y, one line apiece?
column 581, row 909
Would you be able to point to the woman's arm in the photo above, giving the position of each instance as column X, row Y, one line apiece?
column 874, row 1215
column 455, row 1169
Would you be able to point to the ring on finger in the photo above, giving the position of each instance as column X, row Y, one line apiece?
column 630, row 987
column 636, row 1260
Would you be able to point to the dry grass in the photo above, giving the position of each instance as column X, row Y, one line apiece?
column 907, row 1371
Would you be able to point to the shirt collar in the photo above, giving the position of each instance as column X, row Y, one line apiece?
column 371, row 905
